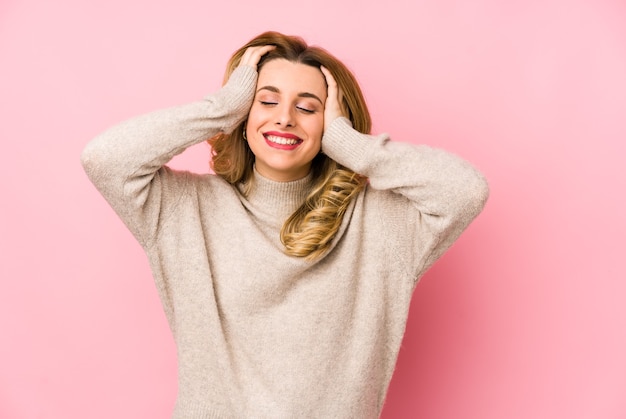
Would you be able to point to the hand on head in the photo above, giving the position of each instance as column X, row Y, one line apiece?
column 252, row 55
column 333, row 108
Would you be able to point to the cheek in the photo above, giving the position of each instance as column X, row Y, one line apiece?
column 255, row 116
column 316, row 127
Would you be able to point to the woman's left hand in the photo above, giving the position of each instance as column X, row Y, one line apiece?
column 333, row 108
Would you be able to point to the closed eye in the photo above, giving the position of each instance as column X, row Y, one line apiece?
column 305, row 110
column 268, row 103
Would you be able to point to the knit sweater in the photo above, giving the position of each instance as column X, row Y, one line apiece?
column 260, row 334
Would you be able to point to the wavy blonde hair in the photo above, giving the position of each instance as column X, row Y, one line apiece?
column 309, row 231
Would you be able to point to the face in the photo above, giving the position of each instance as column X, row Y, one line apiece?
column 286, row 121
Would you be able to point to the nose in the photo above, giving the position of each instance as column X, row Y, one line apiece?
column 285, row 116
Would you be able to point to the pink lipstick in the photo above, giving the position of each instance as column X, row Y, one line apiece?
column 282, row 140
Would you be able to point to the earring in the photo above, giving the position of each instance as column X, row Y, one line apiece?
column 245, row 137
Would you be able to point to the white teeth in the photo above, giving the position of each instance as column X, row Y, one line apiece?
column 282, row 140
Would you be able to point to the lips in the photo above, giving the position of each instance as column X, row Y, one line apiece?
column 282, row 140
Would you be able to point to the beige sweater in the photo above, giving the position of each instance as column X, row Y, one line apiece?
column 261, row 334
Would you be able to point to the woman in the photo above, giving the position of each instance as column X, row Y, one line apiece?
column 286, row 278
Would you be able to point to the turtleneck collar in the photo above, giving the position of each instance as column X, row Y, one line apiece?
column 275, row 201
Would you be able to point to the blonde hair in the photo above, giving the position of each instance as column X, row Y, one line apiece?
column 309, row 231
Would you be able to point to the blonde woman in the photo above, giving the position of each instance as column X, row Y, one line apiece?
column 286, row 277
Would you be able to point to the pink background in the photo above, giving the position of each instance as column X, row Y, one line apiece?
column 525, row 317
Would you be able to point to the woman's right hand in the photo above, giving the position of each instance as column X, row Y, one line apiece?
column 238, row 92
column 252, row 55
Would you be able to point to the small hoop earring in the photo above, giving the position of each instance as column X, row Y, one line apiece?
column 245, row 137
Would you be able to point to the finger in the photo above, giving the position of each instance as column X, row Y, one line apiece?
column 252, row 55
column 333, row 107
column 334, row 91
column 265, row 49
column 330, row 82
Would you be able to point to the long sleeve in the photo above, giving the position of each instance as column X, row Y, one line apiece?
column 440, row 192
column 126, row 162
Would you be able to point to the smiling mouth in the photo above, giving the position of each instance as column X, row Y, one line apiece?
column 282, row 141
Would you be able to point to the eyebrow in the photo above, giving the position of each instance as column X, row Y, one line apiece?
column 302, row 94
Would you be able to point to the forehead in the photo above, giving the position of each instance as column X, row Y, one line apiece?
column 288, row 76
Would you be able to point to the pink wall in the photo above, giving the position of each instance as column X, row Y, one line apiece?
column 523, row 318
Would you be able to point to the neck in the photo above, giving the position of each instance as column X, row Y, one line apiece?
column 277, row 200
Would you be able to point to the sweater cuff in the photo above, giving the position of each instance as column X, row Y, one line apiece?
column 346, row 145
column 237, row 94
